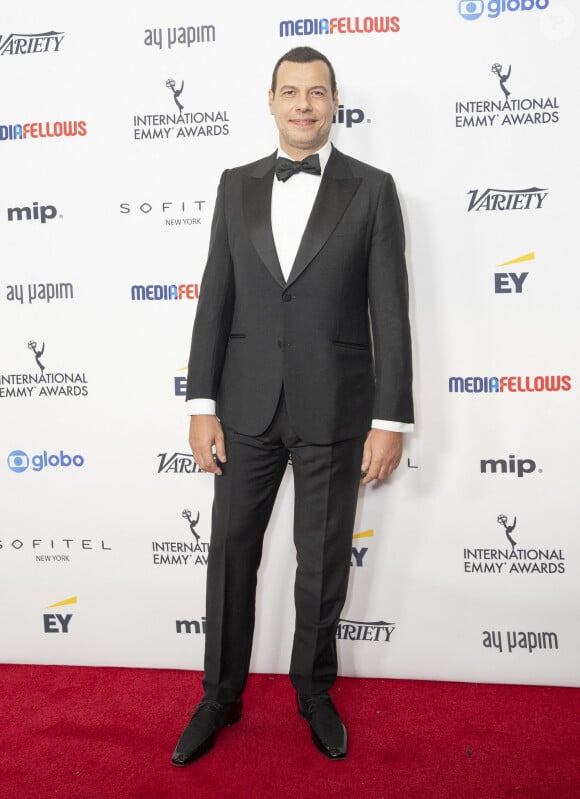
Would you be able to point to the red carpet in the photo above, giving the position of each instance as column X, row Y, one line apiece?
column 88, row 733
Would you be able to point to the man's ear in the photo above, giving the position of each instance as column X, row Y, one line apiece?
column 270, row 100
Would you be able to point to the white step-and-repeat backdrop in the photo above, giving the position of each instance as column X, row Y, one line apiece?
column 116, row 122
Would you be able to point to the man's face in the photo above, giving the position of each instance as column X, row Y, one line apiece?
column 303, row 107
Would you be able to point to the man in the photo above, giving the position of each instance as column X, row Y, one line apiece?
column 301, row 248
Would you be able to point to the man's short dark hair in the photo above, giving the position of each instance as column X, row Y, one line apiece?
column 304, row 55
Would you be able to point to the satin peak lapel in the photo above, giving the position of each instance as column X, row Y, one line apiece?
column 333, row 198
column 257, row 201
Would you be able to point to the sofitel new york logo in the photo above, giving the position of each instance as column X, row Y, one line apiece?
column 182, row 553
column 511, row 558
column 508, row 110
column 42, row 383
column 182, row 123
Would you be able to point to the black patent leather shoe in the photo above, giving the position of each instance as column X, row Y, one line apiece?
column 326, row 727
column 199, row 736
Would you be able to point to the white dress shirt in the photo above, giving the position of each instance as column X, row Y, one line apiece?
column 293, row 199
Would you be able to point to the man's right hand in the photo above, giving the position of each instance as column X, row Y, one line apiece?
column 205, row 431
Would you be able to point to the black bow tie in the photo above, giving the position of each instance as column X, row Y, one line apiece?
column 285, row 168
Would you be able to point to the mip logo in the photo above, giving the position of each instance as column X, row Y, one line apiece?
column 474, row 9
column 36, row 212
column 348, row 116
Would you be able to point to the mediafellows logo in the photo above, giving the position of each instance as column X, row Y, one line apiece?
column 42, row 130
column 474, row 9
column 341, row 25
column 525, row 384
column 29, row 43
column 171, row 291
column 41, row 383
column 182, row 123
column 171, row 37
column 509, row 111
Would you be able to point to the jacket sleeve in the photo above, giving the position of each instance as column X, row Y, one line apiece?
column 213, row 318
column 389, row 310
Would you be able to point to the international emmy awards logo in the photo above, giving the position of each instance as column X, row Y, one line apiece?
column 496, row 69
column 170, row 83
column 192, row 524
column 509, row 528
column 37, row 353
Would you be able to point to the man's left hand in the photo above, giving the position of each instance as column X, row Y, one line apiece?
column 381, row 455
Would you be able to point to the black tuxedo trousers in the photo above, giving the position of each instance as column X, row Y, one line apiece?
column 326, row 484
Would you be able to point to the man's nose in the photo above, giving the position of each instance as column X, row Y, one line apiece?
column 303, row 102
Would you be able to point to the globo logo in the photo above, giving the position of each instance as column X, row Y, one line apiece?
column 19, row 461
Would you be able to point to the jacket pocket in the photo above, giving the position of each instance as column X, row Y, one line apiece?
column 237, row 335
column 351, row 345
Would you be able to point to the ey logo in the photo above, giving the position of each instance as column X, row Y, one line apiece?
column 359, row 553
column 512, row 282
column 180, row 383
column 58, row 622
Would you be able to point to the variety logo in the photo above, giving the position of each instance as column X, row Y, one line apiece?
column 35, row 212
column 45, row 384
column 375, row 631
column 519, row 640
column 513, row 465
column 28, row 43
column 474, row 9
column 511, row 558
column 507, row 111
column 182, row 553
column 512, row 282
column 39, row 292
column 506, row 199
column 180, row 125
column 189, row 626
column 57, row 622
column 174, row 214
column 42, row 130
column 324, row 26
column 18, row 461
column 513, row 384
column 169, row 37
column 183, row 291
column 359, row 553
column 177, row 463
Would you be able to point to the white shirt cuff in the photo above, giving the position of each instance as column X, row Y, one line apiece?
column 395, row 427
column 197, row 407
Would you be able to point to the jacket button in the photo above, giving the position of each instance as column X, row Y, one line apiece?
column 287, row 298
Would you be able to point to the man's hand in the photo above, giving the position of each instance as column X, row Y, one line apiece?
column 381, row 454
column 205, row 431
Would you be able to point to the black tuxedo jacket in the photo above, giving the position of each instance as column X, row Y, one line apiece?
column 254, row 332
